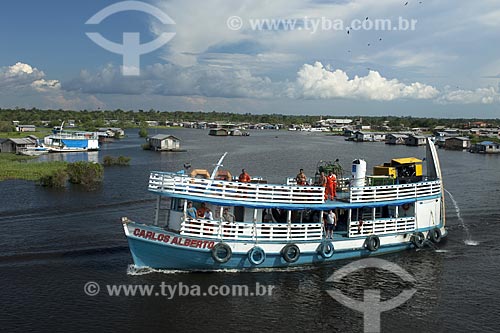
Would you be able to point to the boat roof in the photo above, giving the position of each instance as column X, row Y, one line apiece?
column 406, row 160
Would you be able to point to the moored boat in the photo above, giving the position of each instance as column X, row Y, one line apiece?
column 62, row 141
column 260, row 225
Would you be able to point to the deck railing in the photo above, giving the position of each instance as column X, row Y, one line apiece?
column 382, row 226
column 163, row 182
column 250, row 231
column 395, row 192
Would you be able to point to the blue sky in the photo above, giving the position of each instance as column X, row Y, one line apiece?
column 448, row 66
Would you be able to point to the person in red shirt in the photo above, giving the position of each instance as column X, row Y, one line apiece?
column 244, row 177
column 331, row 186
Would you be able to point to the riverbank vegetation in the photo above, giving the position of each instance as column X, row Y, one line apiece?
column 18, row 167
column 120, row 161
column 52, row 174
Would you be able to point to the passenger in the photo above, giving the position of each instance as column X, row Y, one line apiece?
column 322, row 182
column 244, row 177
column 227, row 216
column 202, row 210
column 331, row 223
column 267, row 217
column 331, row 186
column 208, row 214
column 360, row 225
column 301, row 178
column 191, row 211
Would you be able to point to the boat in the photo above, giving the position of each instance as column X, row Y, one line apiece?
column 34, row 151
column 63, row 141
column 281, row 226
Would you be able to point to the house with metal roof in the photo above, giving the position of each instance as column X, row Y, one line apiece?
column 486, row 147
column 16, row 145
column 164, row 142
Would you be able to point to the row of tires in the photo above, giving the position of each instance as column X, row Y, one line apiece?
column 222, row 252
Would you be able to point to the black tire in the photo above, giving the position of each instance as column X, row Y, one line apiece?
column 373, row 243
column 227, row 253
column 435, row 235
column 290, row 253
column 418, row 239
column 256, row 252
column 326, row 249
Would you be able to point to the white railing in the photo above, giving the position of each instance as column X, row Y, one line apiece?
column 163, row 182
column 251, row 232
column 382, row 226
column 395, row 192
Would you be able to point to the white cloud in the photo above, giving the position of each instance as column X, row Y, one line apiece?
column 317, row 81
column 19, row 75
column 487, row 95
column 173, row 80
column 45, row 85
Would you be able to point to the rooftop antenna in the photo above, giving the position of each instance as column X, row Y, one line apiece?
column 217, row 166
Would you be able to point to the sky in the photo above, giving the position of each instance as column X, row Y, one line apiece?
column 438, row 58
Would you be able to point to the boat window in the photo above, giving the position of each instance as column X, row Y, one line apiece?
column 177, row 204
column 364, row 213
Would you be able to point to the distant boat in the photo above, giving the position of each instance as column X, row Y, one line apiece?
column 34, row 151
column 61, row 141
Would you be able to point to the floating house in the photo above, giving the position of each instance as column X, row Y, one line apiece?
column 219, row 132
column 457, row 143
column 164, row 142
column 486, row 147
column 17, row 145
column 415, row 140
column 395, row 139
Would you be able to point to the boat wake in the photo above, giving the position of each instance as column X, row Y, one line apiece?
column 468, row 240
column 134, row 270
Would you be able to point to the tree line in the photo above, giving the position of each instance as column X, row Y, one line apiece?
column 89, row 120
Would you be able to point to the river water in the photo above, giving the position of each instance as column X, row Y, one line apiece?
column 55, row 241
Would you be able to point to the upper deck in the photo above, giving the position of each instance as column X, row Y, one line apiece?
column 285, row 196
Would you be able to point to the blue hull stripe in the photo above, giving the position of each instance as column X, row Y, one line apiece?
column 147, row 253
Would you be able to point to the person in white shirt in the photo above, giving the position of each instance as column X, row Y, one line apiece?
column 331, row 223
column 208, row 214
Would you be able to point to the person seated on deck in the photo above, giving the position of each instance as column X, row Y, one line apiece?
column 201, row 212
column 227, row 216
column 331, row 223
column 244, row 177
column 301, row 178
column 191, row 211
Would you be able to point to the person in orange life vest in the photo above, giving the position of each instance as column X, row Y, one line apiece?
column 301, row 178
column 244, row 177
column 203, row 209
column 331, row 185
column 322, row 182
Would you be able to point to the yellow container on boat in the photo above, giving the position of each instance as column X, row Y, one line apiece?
column 382, row 170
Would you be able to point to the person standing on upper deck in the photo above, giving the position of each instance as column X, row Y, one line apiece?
column 244, row 177
column 331, row 186
column 301, row 178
